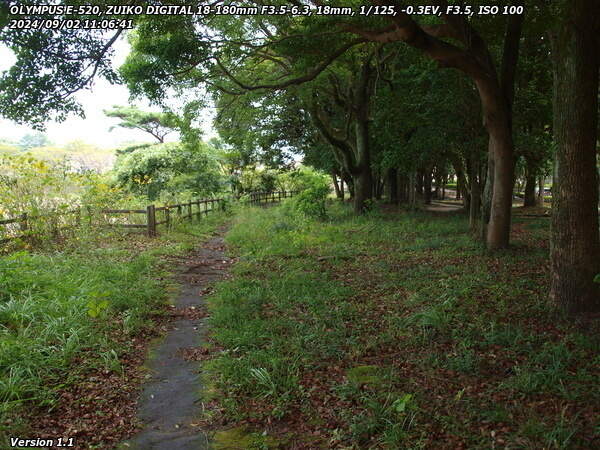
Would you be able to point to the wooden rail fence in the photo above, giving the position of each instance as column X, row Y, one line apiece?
column 257, row 198
column 151, row 217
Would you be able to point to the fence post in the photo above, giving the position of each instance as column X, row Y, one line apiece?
column 189, row 205
column 151, row 219
column 168, row 217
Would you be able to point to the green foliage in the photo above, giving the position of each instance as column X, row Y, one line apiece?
column 302, row 178
column 156, row 124
column 171, row 169
column 38, row 188
column 310, row 203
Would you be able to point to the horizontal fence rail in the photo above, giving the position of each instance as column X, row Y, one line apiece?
column 146, row 220
column 257, row 198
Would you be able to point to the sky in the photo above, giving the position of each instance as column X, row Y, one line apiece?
column 95, row 128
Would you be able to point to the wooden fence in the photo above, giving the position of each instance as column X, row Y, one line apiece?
column 149, row 218
column 257, row 198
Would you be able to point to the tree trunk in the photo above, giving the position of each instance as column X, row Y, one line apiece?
column 336, row 186
column 363, row 179
column 530, row 182
column 403, row 187
column 486, row 197
column 412, row 189
column 419, row 180
column 575, row 248
column 342, row 192
column 392, row 186
column 378, row 185
column 498, row 230
column 427, row 187
column 349, row 180
column 496, row 100
column 363, row 191
column 541, row 193
column 475, row 204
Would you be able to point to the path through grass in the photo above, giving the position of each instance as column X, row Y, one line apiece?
column 76, row 319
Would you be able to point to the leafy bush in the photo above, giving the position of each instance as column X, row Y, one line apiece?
column 168, row 169
column 310, row 203
column 49, row 193
column 301, row 179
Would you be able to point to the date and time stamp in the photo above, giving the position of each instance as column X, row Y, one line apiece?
column 107, row 17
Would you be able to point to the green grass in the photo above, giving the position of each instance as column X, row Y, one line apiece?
column 470, row 337
column 65, row 311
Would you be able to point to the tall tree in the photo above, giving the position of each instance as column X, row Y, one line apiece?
column 575, row 250
column 496, row 90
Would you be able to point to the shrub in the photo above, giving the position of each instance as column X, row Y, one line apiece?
column 310, row 203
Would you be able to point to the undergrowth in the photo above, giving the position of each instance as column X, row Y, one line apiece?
column 397, row 330
column 71, row 308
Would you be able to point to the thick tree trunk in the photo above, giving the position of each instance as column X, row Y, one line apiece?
column 575, row 249
column 342, row 191
column 363, row 190
column 530, row 182
column 498, row 230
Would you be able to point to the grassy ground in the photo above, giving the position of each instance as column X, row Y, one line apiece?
column 396, row 330
column 78, row 309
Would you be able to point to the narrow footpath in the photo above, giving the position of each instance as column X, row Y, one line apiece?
column 170, row 400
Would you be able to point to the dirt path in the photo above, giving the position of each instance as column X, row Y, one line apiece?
column 170, row 400
column 439, row 206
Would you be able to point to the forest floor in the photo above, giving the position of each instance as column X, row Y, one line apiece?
column 394, row 330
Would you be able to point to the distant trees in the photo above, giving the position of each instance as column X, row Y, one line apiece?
column 169, row 169
column 32, row 140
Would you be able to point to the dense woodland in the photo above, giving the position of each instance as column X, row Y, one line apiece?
column 393, row 112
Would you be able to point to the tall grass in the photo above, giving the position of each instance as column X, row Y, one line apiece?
column 61, row 310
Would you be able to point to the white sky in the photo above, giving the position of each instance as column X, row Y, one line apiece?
column 94, row 129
